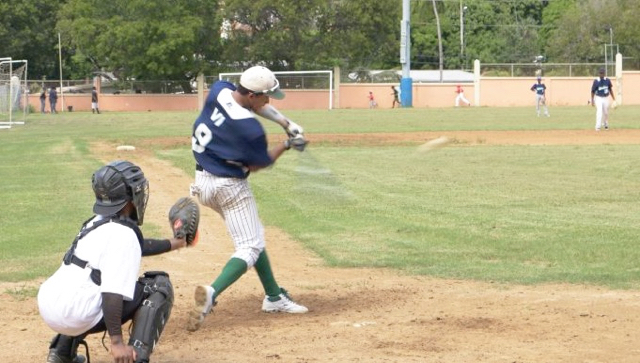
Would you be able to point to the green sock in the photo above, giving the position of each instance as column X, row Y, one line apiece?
column 263, row 268
column 231, row 272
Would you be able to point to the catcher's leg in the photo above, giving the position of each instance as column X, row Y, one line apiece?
column 63, row 349
column 152, row 315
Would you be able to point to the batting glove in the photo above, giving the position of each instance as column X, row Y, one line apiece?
column 297, row 142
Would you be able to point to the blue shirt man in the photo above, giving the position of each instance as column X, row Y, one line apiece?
column 228, row 143
column 540, row 89
column 600, row 92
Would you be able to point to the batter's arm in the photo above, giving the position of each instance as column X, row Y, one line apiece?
column 274, row 154
column 271, row 113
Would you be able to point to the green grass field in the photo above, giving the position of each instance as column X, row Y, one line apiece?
column 512, row 214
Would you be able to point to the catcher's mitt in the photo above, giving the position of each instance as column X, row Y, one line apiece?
column 184, row 217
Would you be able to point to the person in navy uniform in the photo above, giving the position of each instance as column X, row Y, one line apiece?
column 600, row 92
column 229, row 143
column 540, row 89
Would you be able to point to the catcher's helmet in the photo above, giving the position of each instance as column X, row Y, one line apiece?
column 118, row 183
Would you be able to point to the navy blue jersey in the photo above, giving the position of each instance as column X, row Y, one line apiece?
column 601, row 87
column 539, row 88
column 227, row 138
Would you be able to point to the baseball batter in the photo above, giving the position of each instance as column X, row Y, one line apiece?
column 97, row 288
column 229, row 143
column 600, row 92
column 540, row 90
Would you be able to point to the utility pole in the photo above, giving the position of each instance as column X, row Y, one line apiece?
column 406, row 84
column 463, row 10
column 461, row 36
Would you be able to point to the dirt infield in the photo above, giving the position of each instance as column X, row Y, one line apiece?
column 357, row 315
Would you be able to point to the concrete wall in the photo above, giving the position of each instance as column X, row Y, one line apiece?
column 489, row 91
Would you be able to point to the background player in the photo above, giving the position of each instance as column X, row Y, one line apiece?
column 372, row 100
column 94, row 101
column 540, row 90
column 97, row 288
column 396, row 97
column 460, row 96
column 600, row 91
column 228, row 143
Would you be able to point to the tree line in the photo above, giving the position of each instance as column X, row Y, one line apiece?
column 177, row 39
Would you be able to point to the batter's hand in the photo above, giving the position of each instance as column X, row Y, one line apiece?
column 297, row 142
column 293, row 129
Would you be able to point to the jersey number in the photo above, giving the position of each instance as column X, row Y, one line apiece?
column 203, row 135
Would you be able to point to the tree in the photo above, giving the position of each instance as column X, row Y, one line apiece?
column 313, row 34
column 143, row 39
column 579, row 35
column 27, row 31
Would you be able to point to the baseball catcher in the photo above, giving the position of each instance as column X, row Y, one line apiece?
column 97, row 287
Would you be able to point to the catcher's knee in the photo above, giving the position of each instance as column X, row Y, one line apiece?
column 152, row 316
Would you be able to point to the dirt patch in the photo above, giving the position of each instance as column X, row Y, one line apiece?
column 356, row 315
column 543, row 137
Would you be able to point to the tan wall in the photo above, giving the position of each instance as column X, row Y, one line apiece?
column 631, row 88
column 511, row 92
column 493, row 92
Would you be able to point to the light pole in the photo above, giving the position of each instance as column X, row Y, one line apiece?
column 608, row 59
column 462, row 11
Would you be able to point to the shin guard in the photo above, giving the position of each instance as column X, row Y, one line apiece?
column 152, row 315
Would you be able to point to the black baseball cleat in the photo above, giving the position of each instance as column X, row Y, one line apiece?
column 63, row 349
column 54, row 357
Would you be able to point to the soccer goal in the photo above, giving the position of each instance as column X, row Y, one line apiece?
column 297, row 80
column 13, row 92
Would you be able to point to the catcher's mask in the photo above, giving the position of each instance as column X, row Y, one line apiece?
column 118, row 183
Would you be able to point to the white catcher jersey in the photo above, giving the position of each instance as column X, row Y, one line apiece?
column 69, row 302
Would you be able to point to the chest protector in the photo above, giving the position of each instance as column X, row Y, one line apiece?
column 71, row 258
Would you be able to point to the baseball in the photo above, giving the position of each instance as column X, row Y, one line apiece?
column 125, row 148
column 436, row 143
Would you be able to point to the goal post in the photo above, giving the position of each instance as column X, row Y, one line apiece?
column 13, row 92
column 296, row 80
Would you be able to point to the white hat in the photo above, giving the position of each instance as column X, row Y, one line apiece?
column 261, row 80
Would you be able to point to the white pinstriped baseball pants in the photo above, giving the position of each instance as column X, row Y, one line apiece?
column 233, row 199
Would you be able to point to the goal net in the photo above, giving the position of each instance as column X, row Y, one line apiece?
column 13, row 92
column 313, row 81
